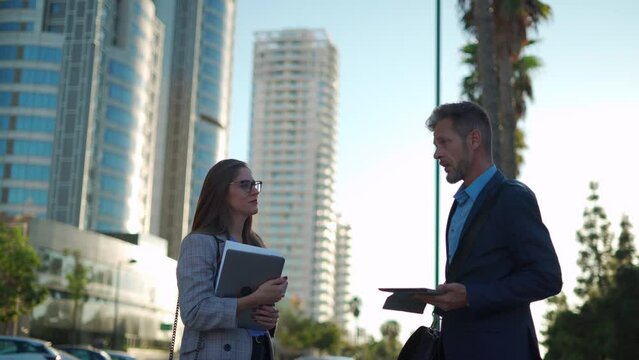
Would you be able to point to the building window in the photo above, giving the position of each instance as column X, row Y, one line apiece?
column 115, row 161
column 29, row 172
column 17, row 4
column 32, row 148
column 112, row 208
column 16, row 26
column 27, row 196
column 117, row 139
column 119, row 116
column 113, row 185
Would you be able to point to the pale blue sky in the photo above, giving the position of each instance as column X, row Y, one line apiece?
column 581, row 127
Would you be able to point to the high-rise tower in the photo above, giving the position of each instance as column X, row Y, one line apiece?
column 197, row 126
column 293, row 141
column 30, row 66
column 102, row 164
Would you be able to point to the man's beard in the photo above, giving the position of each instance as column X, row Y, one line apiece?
column 458, row 172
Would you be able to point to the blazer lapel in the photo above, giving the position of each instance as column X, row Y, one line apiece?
column 450, row 217
column 485, row 194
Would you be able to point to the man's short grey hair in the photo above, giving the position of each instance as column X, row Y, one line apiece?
column 466, row 116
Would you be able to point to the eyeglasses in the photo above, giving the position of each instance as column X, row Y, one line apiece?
column 247, row 185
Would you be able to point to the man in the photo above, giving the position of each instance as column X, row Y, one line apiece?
column 500, row 256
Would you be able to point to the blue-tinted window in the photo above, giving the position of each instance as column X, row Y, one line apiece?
column 35, row 76
column 205, row 139
column 115, row 161
column 17, row 4
column 121, row 94
column 24, row 196
column 212, row 37
column 116, row 138
column 123, row 72
column 113, row 185
column 208, row 105
column 4, row 122
column 41, row 53
column 3, row 147
column 7, row 76
column 137, row 32
column 35, row 123
column 30, row 172
column 211, row 70
column 111, row 207
column 107, row 227
column 208, row 88
column 38, row 100
column 119, row 116
column 8, row 52
column 199, row 172
column 205, row 156
column 5, row 98
column 16, row 26
column 55, row 9
column 213, row 53
column 32, row 148
column 217, row 5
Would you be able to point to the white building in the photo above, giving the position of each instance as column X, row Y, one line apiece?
column 293, row 141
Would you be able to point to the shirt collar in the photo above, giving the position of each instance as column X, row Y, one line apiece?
column 473, row 190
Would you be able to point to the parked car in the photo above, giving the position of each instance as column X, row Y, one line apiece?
column 120, row 355
column 24, row 348
column 66, row 356
column 85, row 352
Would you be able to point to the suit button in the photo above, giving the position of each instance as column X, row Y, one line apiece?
column 227, row 347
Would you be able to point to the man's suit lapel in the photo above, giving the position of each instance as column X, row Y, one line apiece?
column 484, row 195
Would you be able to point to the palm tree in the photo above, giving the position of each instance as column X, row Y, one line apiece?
column 509, row 21
column 521, row 88
column 479, row 20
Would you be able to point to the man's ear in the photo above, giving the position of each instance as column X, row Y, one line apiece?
column 474, row 139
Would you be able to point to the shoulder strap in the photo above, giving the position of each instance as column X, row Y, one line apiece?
column 177, row 306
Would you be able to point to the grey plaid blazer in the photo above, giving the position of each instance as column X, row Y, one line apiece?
column 210, row 323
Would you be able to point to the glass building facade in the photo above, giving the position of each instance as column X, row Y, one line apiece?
column 30, row 73
column 103, row 154
column 197, row 126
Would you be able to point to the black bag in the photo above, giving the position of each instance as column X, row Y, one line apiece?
column 423, row 344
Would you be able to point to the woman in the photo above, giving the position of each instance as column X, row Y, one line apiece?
column 224, row 212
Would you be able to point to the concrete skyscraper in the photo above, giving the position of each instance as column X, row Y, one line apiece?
column 197, row 126
column 293, row 150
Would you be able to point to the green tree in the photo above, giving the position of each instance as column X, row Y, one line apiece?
column 625, row 254
column 19, row 288
column 297, row 334
column 77, row 279
column 596, row 254
column 604, row 326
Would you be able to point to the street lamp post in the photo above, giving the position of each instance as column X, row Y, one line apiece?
column 116, row 301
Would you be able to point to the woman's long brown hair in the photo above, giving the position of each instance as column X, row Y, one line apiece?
column 213, row 213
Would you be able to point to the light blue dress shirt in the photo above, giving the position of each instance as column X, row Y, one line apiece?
column 465, row 198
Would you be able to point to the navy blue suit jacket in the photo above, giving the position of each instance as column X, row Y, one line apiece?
column 510, row 263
